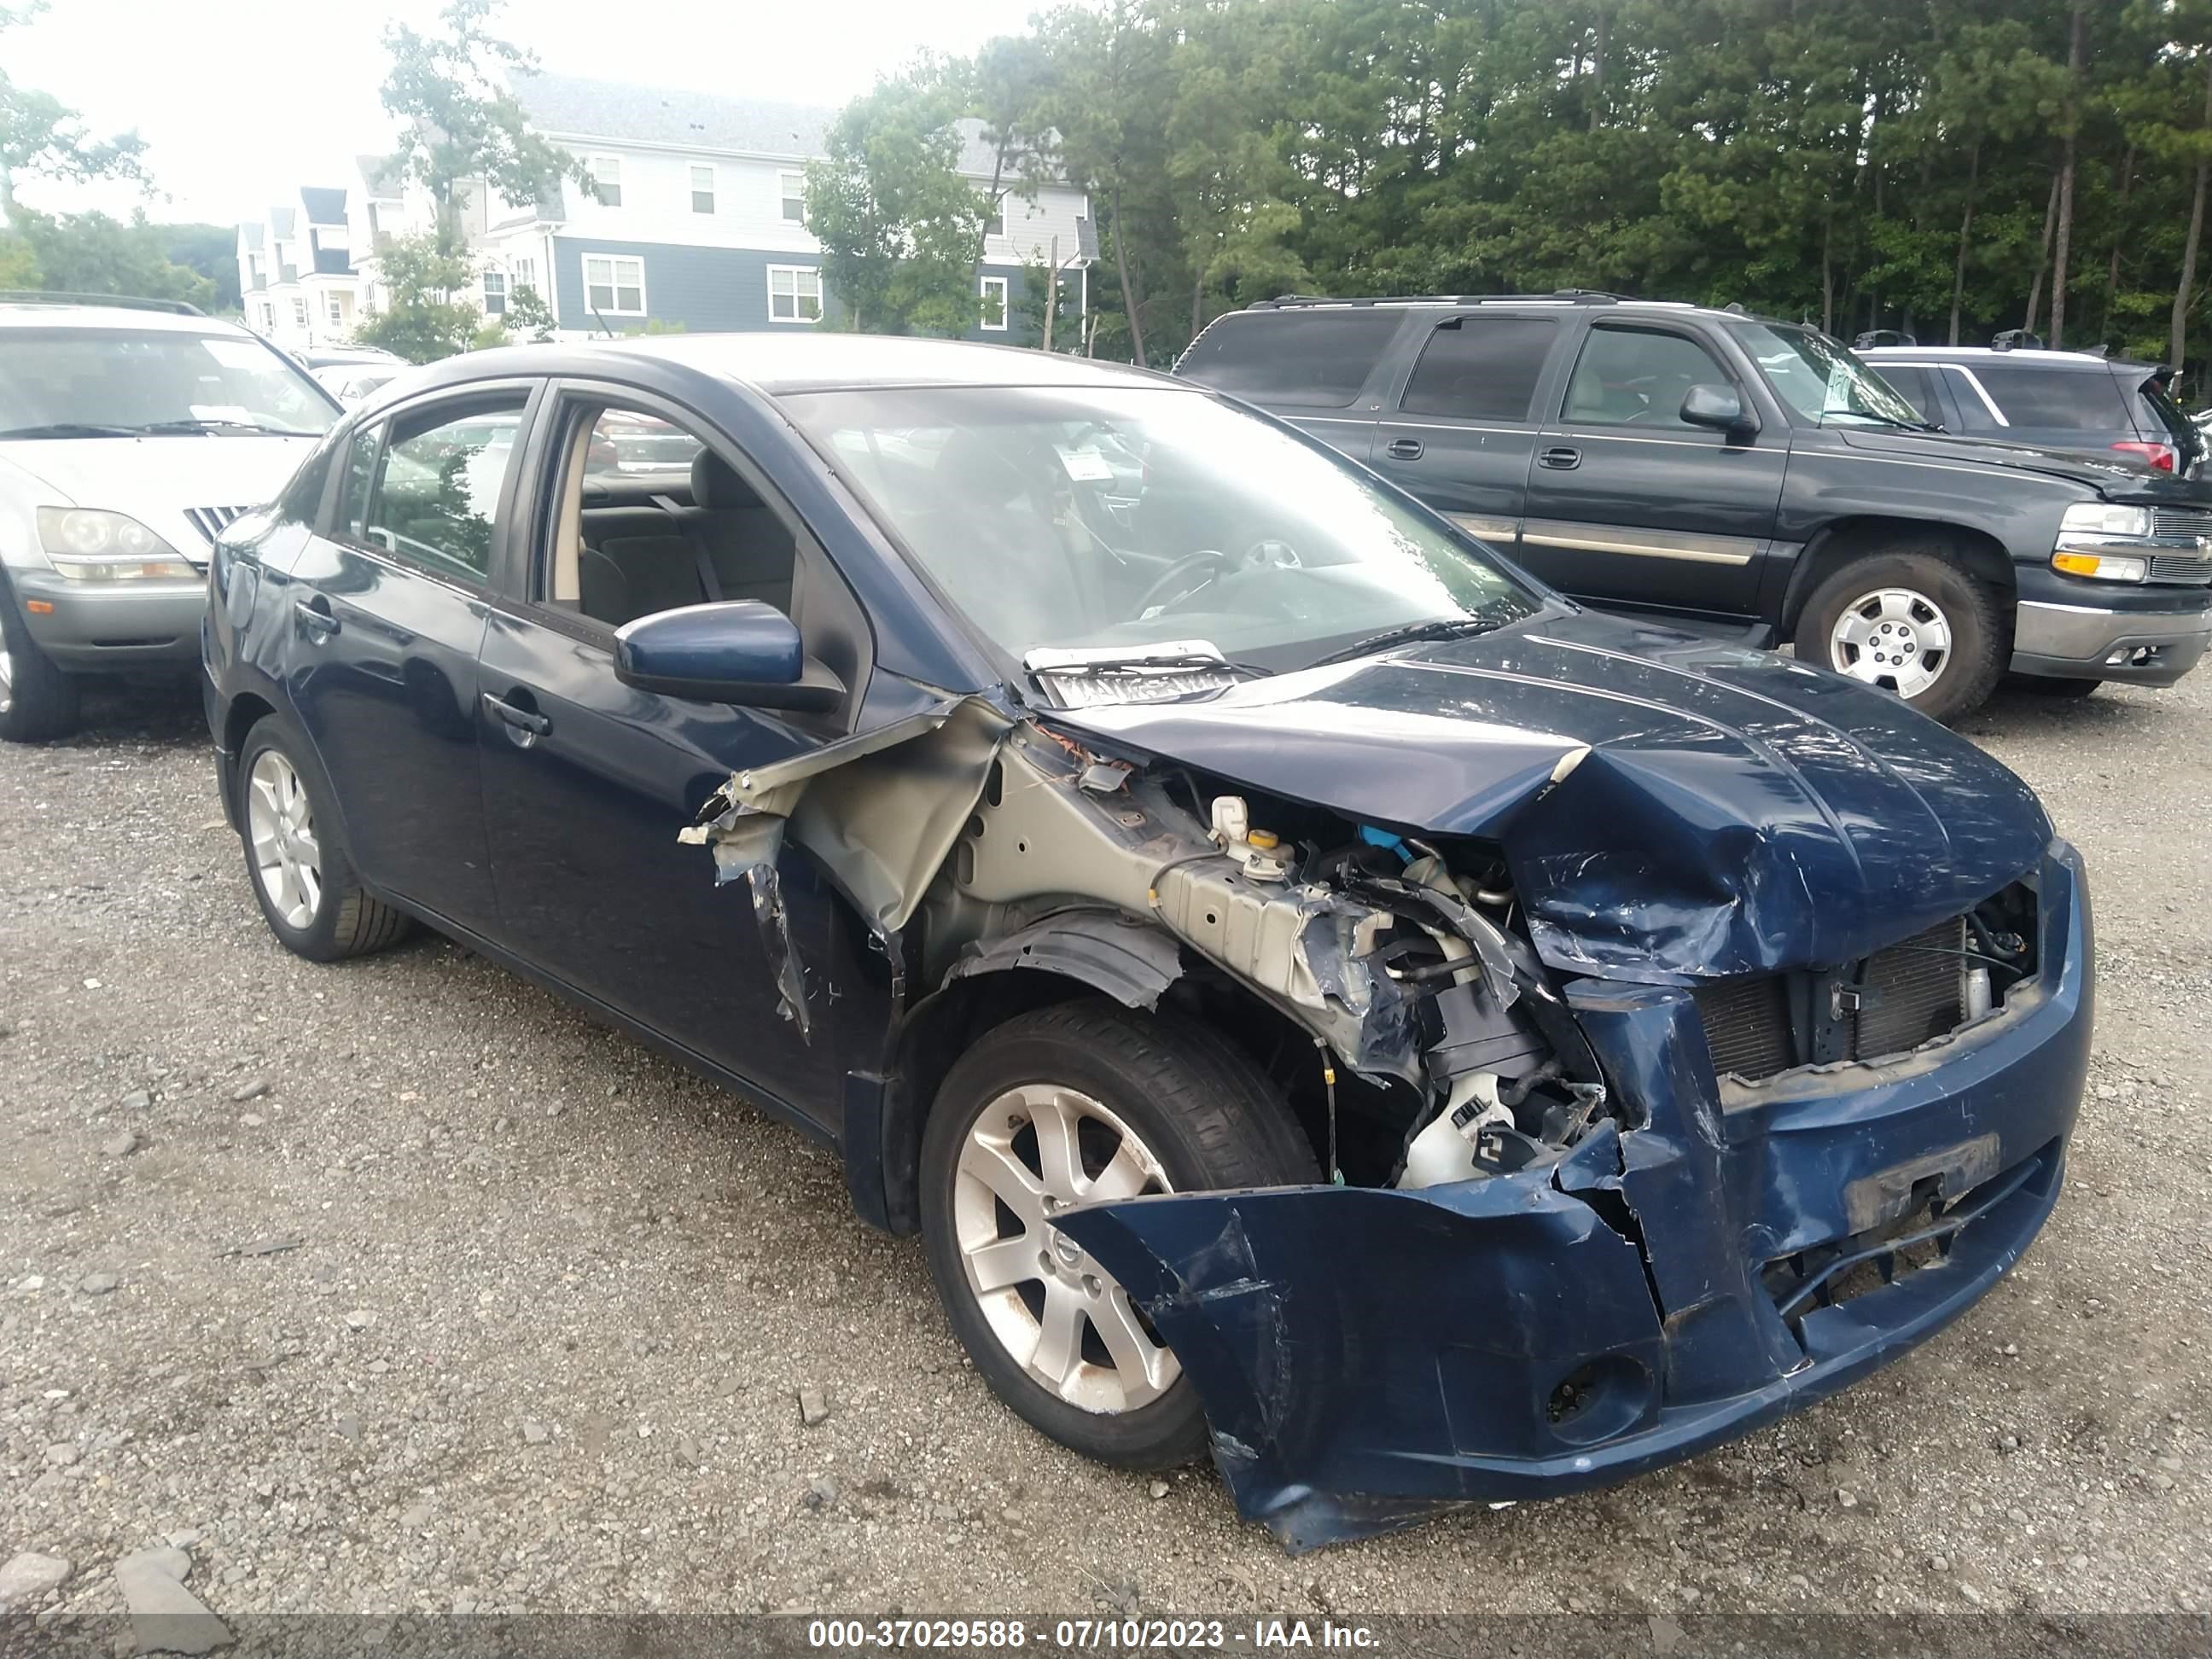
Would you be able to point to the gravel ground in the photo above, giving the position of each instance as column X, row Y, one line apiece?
column 551, row 1302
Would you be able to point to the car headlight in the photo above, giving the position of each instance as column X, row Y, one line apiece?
column 88, row 545
column 2105, row 519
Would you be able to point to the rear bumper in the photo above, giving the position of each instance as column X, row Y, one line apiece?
column 2081, row 641
column 97, row 629
column 1368, row 1356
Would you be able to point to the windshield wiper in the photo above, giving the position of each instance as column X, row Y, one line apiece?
column 1436, row 627
column 198, row 423
column 1886, row 420
column 70, row 429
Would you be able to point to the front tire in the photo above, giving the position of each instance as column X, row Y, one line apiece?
column 1082, row 1102
column 294, row 858
column 38, row 701
column 1912, row 621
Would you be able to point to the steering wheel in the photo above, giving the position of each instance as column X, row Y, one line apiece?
column 1175, row 582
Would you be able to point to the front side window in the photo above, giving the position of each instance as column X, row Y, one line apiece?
column 1481, row 368
column 606, row 179
column 794, row 293
column 115, row 382
column 1317, row 359
column 1916, row 384
column 702, row 189
column 995, row 303
column 1820, row 381
column 1639, row 377
column 794, row 186
column 1088, row 518
column 438, row 486
column 614, row 285
column 494, row 293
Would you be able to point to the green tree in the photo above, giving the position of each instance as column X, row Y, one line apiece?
column 210, row 250
column 528, row 315
column 460, row 122
column 899, row 226
column 92, row 253
column 42, row 137
column 422, row 320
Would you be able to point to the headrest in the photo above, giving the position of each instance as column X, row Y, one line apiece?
column 715, row 483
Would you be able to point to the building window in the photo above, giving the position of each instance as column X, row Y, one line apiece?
column 702, row 189
column 995, row 303
column 615, row 285
column 495, row 290
column 794, row 293
column 994, row 218
column 794, row 197
column 334, row 309
column 525, row 273
column 268, row 317
column 606, row 179
column 299, row 312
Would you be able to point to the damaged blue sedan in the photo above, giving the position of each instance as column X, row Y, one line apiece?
column 1322, row 998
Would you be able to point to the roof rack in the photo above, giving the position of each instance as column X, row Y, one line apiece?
column 33, row 296
column 1581, row 296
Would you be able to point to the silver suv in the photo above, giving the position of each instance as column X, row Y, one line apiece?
column 131, row 432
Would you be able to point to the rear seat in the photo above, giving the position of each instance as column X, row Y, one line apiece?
column 638, row 560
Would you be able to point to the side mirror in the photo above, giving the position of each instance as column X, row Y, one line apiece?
column 739, row 652
column 1719, row 407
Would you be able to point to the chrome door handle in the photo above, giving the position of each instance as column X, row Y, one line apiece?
column 315, row 616
column 525, row 721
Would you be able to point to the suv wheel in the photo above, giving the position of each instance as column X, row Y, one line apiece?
column 301, row 877
column 1077, row 1103
column 37, row 699
column 1912, row 622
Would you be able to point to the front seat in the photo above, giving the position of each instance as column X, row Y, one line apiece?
column 745, row 545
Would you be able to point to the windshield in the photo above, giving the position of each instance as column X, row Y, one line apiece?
column 1069, row 518
column 1820, row 379
column 100, row 382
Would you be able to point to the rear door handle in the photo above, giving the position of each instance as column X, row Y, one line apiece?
column 526, row 722
column 1404, row 449
column 1560, row 460
column 315, row 615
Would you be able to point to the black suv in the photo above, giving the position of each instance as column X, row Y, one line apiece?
column 1728, row 471
column 2054, row 399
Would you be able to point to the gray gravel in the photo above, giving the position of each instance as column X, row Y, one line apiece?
column 476, row 1306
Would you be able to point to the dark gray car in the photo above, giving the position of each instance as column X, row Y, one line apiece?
column 1735, row 475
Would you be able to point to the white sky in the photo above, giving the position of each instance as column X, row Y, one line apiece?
column 239, row 100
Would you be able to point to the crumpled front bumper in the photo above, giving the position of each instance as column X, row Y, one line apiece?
column 1367, row 1356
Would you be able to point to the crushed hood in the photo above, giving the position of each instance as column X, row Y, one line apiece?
column 1672, row 810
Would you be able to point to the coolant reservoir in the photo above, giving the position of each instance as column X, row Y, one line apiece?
column 1445, row 1150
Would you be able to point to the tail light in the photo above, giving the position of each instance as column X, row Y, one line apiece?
column 2160, row 457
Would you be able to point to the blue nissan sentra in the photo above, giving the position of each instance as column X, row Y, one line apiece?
column 1322, row 998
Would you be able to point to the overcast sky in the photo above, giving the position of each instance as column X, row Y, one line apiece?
column 241, row 100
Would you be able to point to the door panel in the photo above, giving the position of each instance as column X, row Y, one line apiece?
column 388, row 616
column 1627, row 504
column 584, row 798
column 1463, row 435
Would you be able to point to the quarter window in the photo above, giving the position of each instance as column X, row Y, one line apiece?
column 361, row 472
column 1639, row 377
column 1481, row 368
column 614, row 284
column 793, row 188
column 995, row 303
column 794, row 293
column 438, row 484
column 2065, row 399
column 702, row 189
column 606, row 179
column 494, row 293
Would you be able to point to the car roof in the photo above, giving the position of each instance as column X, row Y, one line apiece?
column 783, row 363
column 39, row 313
column 2040, row 357
column 1589, row 299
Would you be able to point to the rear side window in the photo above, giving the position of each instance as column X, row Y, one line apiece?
column 2063, row 399
column 1481, row 368
column 1311, row 359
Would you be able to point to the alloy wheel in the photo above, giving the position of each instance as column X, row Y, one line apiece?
column 1031, row 1153
column 1891, row 637
column 287, row 861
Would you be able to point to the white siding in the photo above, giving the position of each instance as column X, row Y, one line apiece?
column 1030, row 227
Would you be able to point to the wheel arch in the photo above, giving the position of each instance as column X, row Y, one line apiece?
column 1836, row 545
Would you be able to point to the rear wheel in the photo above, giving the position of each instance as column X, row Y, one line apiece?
column 302, row 877
column 1079, row 1103
column 1911, row 620
column 37, row 699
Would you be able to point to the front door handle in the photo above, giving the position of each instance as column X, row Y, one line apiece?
column 1404, row 449
column 315, row 616
column 524, row 726
column 1560, row 460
